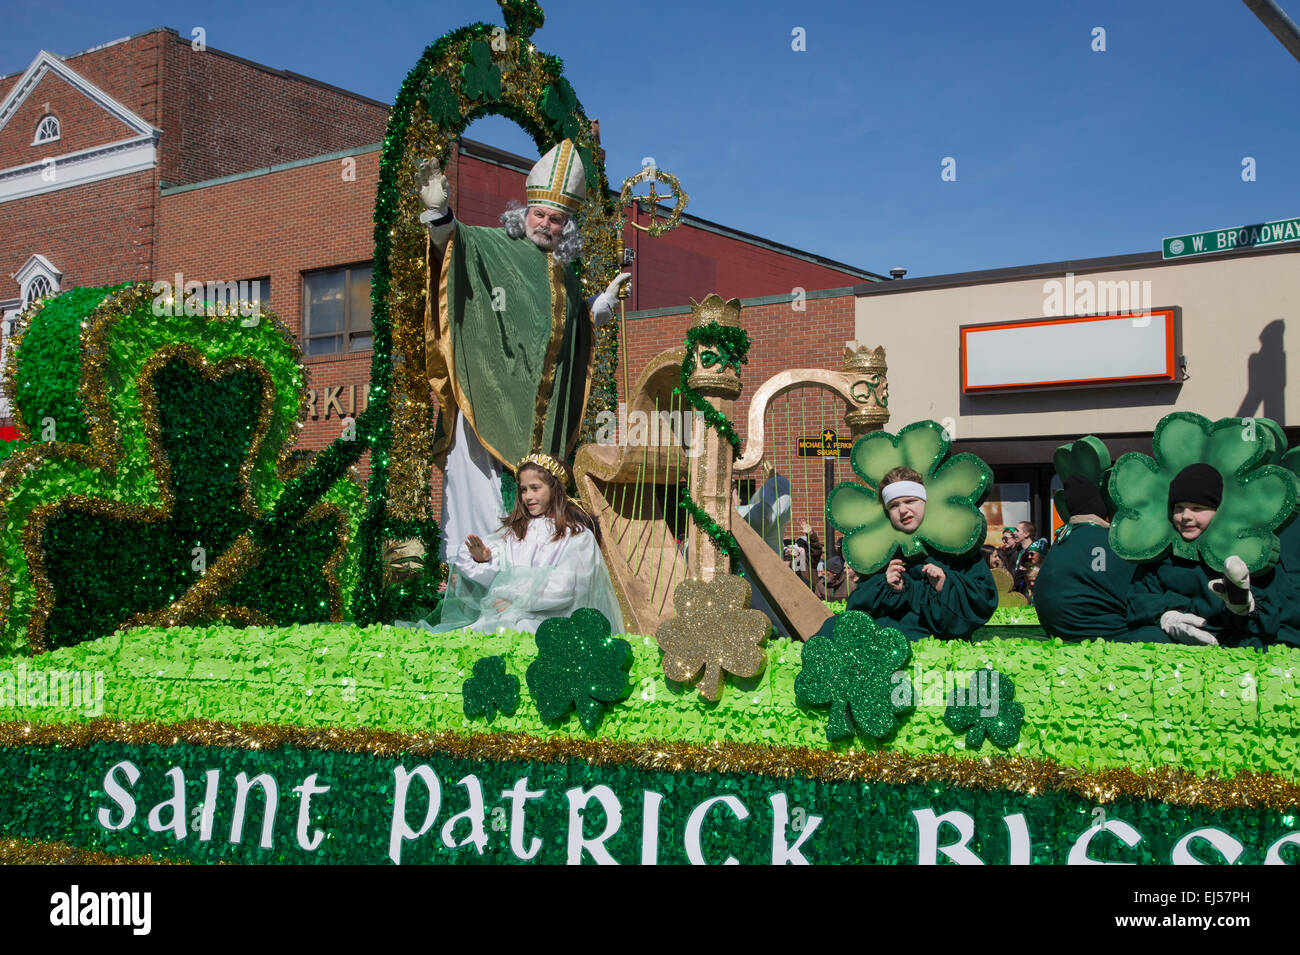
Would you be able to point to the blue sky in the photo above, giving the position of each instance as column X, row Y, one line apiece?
column 1060, row 152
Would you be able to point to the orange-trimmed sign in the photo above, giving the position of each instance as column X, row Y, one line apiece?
column 1079, row 351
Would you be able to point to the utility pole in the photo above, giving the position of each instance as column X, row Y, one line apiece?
column 1278, row 23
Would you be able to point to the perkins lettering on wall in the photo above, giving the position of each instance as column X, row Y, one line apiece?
column 338, row 400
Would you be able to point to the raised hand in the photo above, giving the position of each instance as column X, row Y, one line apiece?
column 477, row 549
column 433, row 185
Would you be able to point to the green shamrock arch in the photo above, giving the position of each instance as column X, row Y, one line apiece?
column 1258, row 495
column 475, row 71
column 955, row 484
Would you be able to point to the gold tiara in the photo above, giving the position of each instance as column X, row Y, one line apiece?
column 546, row 463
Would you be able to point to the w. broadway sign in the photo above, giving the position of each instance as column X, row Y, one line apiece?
column 1225, row 240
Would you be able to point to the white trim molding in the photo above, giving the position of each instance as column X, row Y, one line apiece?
column 133, row 154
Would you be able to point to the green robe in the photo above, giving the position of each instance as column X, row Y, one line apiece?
column 965, row 604
column 1082, row 587
column 1178, row 584
column 1287, row 582
column 510, row 345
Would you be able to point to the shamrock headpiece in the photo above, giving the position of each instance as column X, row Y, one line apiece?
column 558, row 181
column 1256, row 496
column 954, row 485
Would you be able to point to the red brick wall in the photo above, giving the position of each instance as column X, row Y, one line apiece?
column 97, row 234
column 223, row 116
column 129, row 72
column 289, row 222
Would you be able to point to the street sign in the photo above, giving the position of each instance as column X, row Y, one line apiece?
column 1225, row 240
column 825, row 445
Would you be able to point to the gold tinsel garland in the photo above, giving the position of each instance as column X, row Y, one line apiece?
column 30, row 852
column 1032, row 777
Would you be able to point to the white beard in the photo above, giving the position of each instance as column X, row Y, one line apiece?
column 541, row 238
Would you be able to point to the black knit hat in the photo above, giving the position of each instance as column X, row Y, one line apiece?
column 1197, row 484
column 1083, row 497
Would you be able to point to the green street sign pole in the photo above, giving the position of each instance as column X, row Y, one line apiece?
column 1226, row 240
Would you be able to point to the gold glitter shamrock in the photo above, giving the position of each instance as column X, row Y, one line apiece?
column 713, row 633
column 853, row 672
column 578, row 666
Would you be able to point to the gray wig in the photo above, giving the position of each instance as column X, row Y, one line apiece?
column 569, row 246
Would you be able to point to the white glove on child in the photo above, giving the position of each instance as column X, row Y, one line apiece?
column 1186, row 628
column 1234, row 587
column 603, row 305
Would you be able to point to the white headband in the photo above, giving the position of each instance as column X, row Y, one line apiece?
column 896, row 489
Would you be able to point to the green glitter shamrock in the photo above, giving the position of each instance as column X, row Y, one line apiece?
column 1089, row 458
column 441, row 102
column 578, row 666
column 987, row 707
column 853, row 671
column 479, row 75
column 560, row 106
column 490, row 689
column 954, row 486
column 1257, row 494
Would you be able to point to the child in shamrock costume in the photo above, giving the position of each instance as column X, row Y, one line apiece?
column 1178, row 600
column 1082, row 589
column 945, row 596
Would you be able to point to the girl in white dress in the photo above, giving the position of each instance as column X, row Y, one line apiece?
column 544, row 561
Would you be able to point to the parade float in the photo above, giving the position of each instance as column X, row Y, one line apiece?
column 198, row 662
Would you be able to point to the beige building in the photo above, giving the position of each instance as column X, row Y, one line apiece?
column 1018, row 361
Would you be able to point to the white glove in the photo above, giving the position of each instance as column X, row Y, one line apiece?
column 603, row 305
column 433, row 190
column 1186, row 628
column 1234, row 587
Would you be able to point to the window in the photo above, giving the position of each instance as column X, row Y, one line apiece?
column 47, row 130
column 228, row 295
column 37, row 288
column 336, row 311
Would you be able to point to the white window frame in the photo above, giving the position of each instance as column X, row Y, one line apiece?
column 40, row 140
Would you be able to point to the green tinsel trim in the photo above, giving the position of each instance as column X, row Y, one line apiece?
column 732, row 347
column 723, row 538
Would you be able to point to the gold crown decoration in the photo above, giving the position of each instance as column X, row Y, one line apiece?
column 864, row 357
column 546, row 463
column 558, row 180
column 714, row 309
